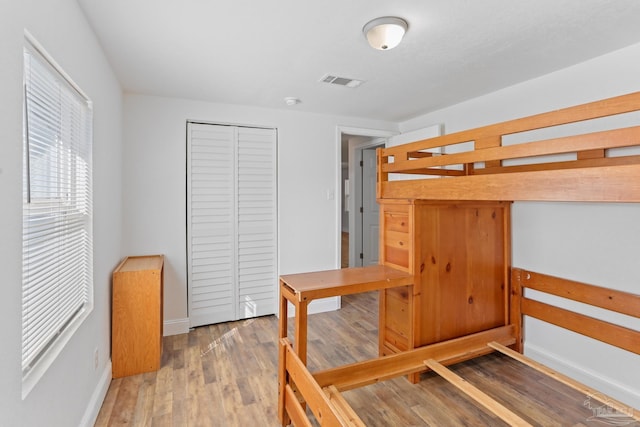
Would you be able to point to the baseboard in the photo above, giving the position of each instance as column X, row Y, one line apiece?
column 318, row 306
column 97, row 398
column 584, row 375
column 181, row 326
column 324, row 304
column 175, row 327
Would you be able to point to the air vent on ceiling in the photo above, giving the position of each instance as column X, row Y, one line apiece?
column 340, row 81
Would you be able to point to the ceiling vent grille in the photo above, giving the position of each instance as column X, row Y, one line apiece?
column 340, row 81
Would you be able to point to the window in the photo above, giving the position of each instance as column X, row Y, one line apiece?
column 57, row 249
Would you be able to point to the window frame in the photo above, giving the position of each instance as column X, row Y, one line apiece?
column 74, row 207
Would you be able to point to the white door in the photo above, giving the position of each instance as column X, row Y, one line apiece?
column 370, row 209
column 231, row 222
column 256, row 222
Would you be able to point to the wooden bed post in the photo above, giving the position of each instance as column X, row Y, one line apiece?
column 516, row 307
column 282, row 369
column 282, row 382
column 284, row 313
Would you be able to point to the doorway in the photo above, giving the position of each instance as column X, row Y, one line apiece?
column 359, row 145
column 359, row 208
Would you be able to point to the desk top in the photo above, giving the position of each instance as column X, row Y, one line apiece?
column 345, row 281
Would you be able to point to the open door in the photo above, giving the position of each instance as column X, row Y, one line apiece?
column 370, row 209
column 360, row 210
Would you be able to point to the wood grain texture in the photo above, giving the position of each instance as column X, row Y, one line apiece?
column 459, row 255
column 601, row 184
column 345, row 281
column 626, row 137
column 609, row 299
column 619, row 336
column 606, row 107
column 136, row 331
column 546, row 176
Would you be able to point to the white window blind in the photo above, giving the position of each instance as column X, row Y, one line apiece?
column 57, row 252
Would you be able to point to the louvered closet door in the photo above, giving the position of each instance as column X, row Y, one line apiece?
column 257, row 275
column 231, row 223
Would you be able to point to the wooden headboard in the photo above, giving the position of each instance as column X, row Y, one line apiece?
column 492, row 170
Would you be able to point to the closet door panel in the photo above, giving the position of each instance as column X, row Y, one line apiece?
column 232, row 223
column 257, row 222
column 211, row 224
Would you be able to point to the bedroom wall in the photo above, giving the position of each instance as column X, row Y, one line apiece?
column 155, row 185
column 594, row 243
column 71, row 391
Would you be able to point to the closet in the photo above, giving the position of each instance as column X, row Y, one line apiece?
column 231, row 222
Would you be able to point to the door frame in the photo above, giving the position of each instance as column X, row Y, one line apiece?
column 379, row 137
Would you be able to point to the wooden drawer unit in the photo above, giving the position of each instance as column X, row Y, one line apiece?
column 136, row 325
column 459, row 254
column 397, row 240
column 397, row 330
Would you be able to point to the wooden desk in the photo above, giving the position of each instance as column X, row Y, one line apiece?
column 301, row 289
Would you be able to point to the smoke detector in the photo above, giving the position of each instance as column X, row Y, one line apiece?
column 291, row 100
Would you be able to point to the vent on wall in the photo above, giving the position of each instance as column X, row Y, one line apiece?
column 340, row 81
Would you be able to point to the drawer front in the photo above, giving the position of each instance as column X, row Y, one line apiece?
column 396, row 322
column 394, row 343
column 396, row 221
column 396, row 239
column 397, row 249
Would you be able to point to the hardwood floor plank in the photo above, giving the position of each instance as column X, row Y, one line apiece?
column 108, row 404
column 164, row 420
column 226, row 375
column 124, row 408
column 143, row 411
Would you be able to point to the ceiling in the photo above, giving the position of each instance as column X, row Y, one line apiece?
column 254, row 52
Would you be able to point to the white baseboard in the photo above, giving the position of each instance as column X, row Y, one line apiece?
column 584, row 375
column 318, row 306
column 97, row 398
column 175, row 327
column 324, row 304
column 181, row 326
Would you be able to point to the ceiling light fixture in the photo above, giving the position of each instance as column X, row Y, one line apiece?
column 385, row 33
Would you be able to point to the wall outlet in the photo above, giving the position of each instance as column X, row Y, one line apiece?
column 96, row 359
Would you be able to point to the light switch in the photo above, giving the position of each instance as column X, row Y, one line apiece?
column 330, row 194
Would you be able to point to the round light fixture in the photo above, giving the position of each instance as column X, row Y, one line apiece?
column 385, row 33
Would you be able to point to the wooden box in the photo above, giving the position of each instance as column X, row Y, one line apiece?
column 136, row 323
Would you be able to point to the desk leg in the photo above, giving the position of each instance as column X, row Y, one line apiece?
column 301, row 331
column 284, row 308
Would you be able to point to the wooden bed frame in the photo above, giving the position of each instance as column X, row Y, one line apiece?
column 485, row 173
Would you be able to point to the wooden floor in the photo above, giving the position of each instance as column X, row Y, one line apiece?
column 226, row 375
column 344, row 250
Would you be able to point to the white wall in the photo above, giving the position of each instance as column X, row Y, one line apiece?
column 594, row 243
column 155, row 185
column 71, row 391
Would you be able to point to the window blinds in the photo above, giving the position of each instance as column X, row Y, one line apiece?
column 57, row 260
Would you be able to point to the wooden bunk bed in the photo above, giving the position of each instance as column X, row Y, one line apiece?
column 447, row 290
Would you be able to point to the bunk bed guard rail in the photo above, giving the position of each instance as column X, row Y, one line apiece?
column 477, row 164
